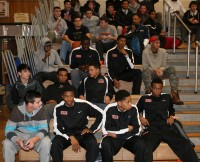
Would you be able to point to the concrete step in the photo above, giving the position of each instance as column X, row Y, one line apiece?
column 193, row 116
column 191, row 123
column 180, row 51
column 189, row 97
column 181, row 60
column 182, row 88
column 182, row 63
column 192, row 74
column 188, row 106
column 196, row 141
column 184, row 81
column 184, row 67
column 195, row 134
column 197, row 148
column 191, row 128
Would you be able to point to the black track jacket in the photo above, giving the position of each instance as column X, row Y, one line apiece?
column 72, row 120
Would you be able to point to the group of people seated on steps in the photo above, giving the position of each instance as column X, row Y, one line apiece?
column 71, row 28
column 138, row 128
column 135, row 19
column 130, row 33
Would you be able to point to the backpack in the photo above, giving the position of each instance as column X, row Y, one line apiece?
column 135, row 45
column 169, row 42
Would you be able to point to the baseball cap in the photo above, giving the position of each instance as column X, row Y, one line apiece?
column 153, row 38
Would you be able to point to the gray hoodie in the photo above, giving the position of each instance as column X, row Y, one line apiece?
column 59, row 27
column 22, row 125
column 53, row 59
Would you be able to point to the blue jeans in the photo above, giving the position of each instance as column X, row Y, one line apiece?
column 64, row 50
column 77, row 76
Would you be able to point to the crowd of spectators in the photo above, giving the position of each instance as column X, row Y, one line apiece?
column 130, row 32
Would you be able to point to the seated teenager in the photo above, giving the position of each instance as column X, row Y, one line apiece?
column 27, row 129
column 157, row 115
column 73, row 37
column 106, row 36
column 22, row 85
column 45, row 59
column 70, row 126
column 96, row 88
column 79, row 60
column 53, row 93
column 192, row 19
column 57, row 26
column 120, row 65
column 121, row 128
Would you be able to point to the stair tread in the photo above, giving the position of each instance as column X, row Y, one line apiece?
column 191, row 102
column 167, row 85
column 188, row 123
column 188, row 112
column 193, row 134
column 197, row 148
column 189, row 93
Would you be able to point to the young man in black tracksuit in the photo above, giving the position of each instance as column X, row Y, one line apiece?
column 121, row 128
column 157, row 116
column 70, row 126
column 53, row 93
column 79, row 60
column 120, row 64
column 96, row 88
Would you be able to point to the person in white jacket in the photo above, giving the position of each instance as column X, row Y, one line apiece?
column 177, row 7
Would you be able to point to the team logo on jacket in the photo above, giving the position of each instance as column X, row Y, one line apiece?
column 100, row 81
column 115, row 116
column 148, row 100
column 63, row 112
column 60, row 86
column 78, row 56
column 114, row 55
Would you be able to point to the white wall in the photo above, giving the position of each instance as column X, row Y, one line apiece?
column 159, row 5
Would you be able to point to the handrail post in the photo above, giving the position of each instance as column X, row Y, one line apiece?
column 189, row 35
column 196, row 68
column 174, row 45
column 169, row 22
column 164, row 18
column 188, row 58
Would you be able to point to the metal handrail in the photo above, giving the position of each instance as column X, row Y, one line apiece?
column 196, row 67
column 176, row 16
column 169, row 17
